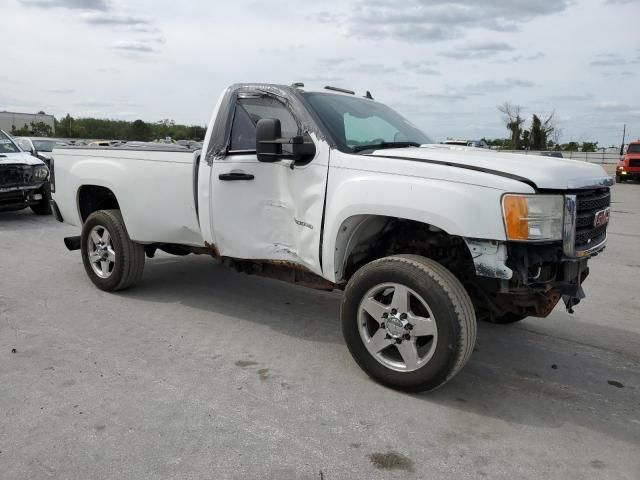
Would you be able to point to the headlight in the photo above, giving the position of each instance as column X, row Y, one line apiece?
column 533, row 217
column 40, row 173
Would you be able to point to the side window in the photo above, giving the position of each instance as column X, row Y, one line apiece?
column 243, row 131
column 249, row 111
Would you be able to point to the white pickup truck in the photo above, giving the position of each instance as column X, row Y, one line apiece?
column 334, row 191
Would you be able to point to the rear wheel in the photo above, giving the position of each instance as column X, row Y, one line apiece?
column 408, row 322
column 112, row 261
column 619, row 179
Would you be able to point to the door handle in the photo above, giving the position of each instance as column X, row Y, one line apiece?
column 235, row 176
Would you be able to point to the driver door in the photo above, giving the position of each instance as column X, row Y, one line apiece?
column 267, row 211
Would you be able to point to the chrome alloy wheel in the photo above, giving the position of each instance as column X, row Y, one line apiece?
column 397, row 327
column 102, row 256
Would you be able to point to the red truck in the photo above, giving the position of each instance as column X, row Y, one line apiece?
column 629, row 165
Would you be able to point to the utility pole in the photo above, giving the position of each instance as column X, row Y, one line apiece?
column 624, row 134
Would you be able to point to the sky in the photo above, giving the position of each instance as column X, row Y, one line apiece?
column 445, row 65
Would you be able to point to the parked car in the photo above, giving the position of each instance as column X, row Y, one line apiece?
column 40, row 147
column 467, row 143
column 552, row 154
column 104, row 143
column 629, row 165
column 24, row 179
column 314, row 187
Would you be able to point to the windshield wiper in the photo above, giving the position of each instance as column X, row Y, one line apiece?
column 381, row 145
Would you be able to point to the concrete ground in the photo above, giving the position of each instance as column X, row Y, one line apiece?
column 201, row 372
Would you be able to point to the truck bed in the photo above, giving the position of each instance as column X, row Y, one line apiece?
column 153, row 185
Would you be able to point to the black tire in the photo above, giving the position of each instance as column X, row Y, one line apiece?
column 619, row 179
column 44, row 206
column 452, row 310
column 506, row 319
column 129, row 256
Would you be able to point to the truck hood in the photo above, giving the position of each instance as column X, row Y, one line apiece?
column 22, row 158
column 538, row 171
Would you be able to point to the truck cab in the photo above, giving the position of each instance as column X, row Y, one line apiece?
column 336, row 191
column 629, row 165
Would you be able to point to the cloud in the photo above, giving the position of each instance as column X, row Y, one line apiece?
column 334, row 61
column 99, row 5
column 621, row 2
column 477, row 51
column 325, row 17
column 573, row 98
column 137, row 46
column 374, row 68
column 607, row 60
column 492, row 86
column 615, row 107
column 423, row 68
column 100, row 18
column 477, row 89
column 422, row 20
column 323, row 79
column 450, row 97
column 62, row 91
column 534, row 56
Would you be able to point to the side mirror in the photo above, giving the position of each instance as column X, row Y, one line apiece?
column 268, row 132
column 271, row 147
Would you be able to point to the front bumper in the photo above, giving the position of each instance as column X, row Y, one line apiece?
column 628, row 175
column 17, row 198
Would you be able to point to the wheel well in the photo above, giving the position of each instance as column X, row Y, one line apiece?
column 365, row 238
column 92, row 198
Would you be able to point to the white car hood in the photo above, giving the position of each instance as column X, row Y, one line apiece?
column 543, row 172
column 21, row 158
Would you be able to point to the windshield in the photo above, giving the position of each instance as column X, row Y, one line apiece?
column 357, row 123
column 6, row 145
column 45, row 145
column 634, row 148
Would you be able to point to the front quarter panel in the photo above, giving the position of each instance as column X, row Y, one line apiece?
column 460, row 202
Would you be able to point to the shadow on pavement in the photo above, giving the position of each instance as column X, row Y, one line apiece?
column 516, row 375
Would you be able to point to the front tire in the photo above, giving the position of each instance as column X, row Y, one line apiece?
column 408, row 322
column 44, row 206
column 112, row 261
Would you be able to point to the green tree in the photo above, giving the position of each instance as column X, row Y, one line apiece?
column 139, row 130
column 589, row 146
column 64, row 127
column 570, row 147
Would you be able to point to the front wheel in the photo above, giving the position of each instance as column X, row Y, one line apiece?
column 112, row 261
column 43, row 207
column 408, row 322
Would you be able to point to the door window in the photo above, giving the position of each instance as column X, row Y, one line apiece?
column 249, row 111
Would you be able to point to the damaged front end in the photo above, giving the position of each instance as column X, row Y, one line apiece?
column 20, row 187
column 524, row 280
column 528, row 278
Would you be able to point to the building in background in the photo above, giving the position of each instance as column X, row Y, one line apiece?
column 8, row 120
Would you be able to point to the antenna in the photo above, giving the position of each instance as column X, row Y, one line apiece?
column 368, row 95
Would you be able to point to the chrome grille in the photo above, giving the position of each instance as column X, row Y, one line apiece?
column 588, row 203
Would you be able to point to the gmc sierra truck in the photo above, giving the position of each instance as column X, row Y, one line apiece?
column 335, row 191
